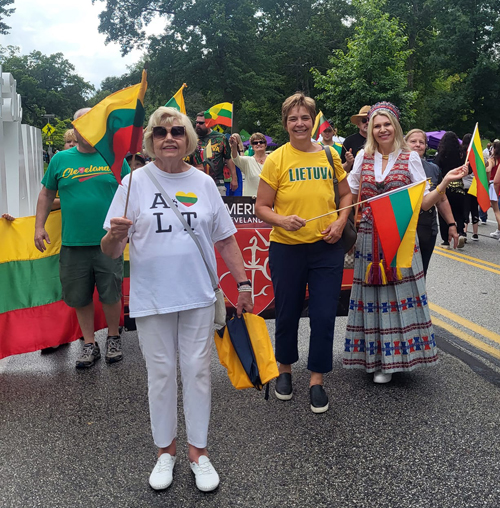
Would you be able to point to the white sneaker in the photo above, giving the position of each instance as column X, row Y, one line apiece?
column 206, row 476
column 495, row 234
column 381, row 377
column 162, row 474
column 461, row 242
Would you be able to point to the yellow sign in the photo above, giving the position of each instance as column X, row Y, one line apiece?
column 48, row 130
column 218, row 128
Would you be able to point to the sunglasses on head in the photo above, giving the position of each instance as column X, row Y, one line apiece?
column 364, row 120
column 258, row 142
column 177, row 131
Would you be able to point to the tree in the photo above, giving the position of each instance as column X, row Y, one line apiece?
column 372, row 69
column 4, row 11
column 47, row 84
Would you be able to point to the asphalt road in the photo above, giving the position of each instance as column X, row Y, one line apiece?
column 428, row 439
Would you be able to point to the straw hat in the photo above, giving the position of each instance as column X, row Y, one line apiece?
column 363, row 112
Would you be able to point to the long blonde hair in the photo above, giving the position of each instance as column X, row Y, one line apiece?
column 399, row 142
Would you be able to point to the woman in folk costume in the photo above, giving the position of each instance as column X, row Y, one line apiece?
column 389, row 327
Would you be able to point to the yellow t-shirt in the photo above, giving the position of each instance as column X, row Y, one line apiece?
column 303, row 182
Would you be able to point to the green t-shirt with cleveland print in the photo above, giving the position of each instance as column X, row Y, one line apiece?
column 86, row 188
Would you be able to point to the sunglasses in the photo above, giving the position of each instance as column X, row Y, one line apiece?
column 259, row 142
column 177, row 131
column 364, row 120
column 200, row 123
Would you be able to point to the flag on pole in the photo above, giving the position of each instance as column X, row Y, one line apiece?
column 479, row 186
column 114, row 126
column 395, row 215
column 177, row 101
column 33, row 315
column 244, row 135
column 220, row 114
column 320, row 124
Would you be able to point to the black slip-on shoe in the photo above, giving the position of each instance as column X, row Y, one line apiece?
column 319, row 399
column 283, row 388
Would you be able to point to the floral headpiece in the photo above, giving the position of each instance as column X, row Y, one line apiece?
column 385, row 106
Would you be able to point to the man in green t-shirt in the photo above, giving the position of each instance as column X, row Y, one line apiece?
column 212, row 154
column 86, row 188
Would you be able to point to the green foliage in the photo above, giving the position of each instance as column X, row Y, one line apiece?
column 5, row 11
column 47, row 84
column 371, row 70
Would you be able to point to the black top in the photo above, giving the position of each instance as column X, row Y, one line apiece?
column 354, row 141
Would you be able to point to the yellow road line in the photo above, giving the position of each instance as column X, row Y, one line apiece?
column 494, row 337
column 467, row 338
column 456, row 253
column 487, row 268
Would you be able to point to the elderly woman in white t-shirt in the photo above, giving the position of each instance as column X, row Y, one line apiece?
column 251, row 166
column 172, row 298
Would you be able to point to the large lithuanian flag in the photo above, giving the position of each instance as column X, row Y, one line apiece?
column 32, row 313
column 177, row 101
column 220, row 114
column 114, row 126
column 479, row 186
column 395, row 215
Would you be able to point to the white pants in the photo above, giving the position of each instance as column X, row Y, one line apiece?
column 161, row 336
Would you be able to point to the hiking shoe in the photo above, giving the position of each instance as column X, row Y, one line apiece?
column 495, row 234
column 162, row 474
column 205, row 474
column 283, row 388
column 90, row 353
column 475, row 238
column 319, row 399
column 113, row 349
column 461, row 242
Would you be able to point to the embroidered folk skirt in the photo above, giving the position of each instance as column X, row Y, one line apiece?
column 389, row 326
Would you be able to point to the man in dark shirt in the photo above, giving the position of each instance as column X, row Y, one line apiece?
column 355, row 142
column 212, row 155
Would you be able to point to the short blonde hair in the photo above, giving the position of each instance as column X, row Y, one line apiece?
column 258, row 136
column 297, row 100
column 416, row 131
column 167, row 116
column 399, row 142
column 69, row 135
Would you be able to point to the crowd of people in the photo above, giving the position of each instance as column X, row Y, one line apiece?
column 175, row 216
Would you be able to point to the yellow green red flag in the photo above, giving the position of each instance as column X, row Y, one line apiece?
column 320, row 124
column 114, row 126
column 177, row 101
column 220, row 114
column 396, row 215
column 479, row 186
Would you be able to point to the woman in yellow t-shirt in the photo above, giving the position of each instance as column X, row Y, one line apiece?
column 296, row 185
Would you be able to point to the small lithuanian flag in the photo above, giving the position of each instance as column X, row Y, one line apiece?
column 177, row 101
column 220, row 114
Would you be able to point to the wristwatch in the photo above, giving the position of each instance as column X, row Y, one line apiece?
column 452, row 224
column 244, row 283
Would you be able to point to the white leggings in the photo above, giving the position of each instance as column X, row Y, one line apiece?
column 161, row 336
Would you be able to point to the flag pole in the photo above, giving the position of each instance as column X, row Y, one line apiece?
column 129, row 185
column 232, row 117
column 471, row 142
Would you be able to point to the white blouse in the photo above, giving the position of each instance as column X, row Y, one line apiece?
column 417, row 173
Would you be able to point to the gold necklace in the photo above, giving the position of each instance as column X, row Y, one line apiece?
column 385, row 157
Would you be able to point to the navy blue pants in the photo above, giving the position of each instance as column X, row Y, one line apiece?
column 320, row 266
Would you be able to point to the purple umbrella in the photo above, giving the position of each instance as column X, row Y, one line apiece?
column 269, row 142
column 434, row 137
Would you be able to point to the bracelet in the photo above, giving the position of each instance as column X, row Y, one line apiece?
column 439, row 191
column 245, row 289
column 244, row 283
column 452, row 225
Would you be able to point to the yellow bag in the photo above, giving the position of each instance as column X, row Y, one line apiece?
column 245, row 350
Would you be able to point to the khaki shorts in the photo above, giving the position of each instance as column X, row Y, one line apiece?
column 82, row 269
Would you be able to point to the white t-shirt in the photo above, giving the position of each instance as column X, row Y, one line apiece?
column 251, row 169
column 417, row 173
column 167, row 272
